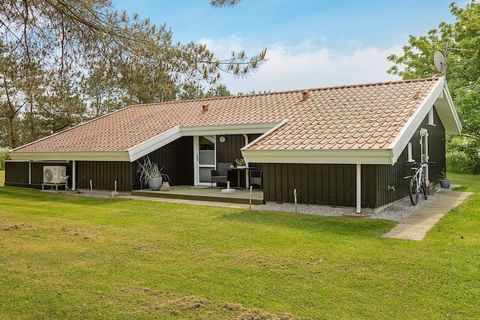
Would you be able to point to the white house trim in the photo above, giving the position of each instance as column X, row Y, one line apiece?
column 215, row 130
column 448, row 113
column 440, row 97
column 69, row 156
column 152, row 144
column 358, row 188
column 377, row 156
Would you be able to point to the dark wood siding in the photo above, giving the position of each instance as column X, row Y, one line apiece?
column 177, row 160
column 229, row 150
column 328, row 184
column 104, row 174
column 16, row 173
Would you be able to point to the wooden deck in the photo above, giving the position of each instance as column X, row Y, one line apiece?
column 204, row 194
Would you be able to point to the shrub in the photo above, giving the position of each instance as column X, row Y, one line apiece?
column 3, row 157
column 463, row 155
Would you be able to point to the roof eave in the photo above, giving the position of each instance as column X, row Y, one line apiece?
column 339, row 156
column 70, row 156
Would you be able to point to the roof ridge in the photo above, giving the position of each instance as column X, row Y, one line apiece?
column 354, row 85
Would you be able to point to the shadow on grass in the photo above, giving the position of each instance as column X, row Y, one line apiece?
column 315, row 224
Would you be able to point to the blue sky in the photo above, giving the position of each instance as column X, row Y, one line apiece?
column 310, row 43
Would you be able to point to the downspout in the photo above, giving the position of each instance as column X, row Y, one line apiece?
column 74, row 178
column 30, row 172
column 359, row 189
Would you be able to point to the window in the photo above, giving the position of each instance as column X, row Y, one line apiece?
column 409, row 150
column 431, row 119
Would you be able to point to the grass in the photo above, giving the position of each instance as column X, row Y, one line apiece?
column 71, row 257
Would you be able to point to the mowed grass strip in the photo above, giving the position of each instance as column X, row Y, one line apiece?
column 74, row 257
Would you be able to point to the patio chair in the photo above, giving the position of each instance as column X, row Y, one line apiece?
column 220, row 175
column 256, row 178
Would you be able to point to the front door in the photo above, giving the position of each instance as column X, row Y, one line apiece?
column 204, row 158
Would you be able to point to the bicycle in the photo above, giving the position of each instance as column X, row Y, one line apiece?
column 418, row 183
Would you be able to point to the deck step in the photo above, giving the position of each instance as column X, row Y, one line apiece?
column 198, row 197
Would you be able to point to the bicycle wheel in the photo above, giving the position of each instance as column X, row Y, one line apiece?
column 413, row 191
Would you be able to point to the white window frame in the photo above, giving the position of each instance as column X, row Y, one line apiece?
column 431, row 117
column 196, row 160
column 424, row 158
column 410, row 152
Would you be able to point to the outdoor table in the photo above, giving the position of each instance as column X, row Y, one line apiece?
column 238, row 169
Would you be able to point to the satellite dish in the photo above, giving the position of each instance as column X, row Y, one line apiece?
column 439, row 61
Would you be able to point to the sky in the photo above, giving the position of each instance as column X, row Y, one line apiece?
column 310, row 43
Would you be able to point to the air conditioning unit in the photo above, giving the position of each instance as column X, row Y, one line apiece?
column 54, row 174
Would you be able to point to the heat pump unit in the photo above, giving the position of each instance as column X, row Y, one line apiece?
column 54, row 174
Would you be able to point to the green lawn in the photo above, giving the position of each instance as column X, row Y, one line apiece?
column 69, row 257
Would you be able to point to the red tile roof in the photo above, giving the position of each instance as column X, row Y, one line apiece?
column 365, row 116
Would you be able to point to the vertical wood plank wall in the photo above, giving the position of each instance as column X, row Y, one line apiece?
column 103, row 175
column 328, row 184
column 177, row 160
column 229, row 151
column 16, row 173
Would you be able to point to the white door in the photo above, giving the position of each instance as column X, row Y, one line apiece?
column 204, row 158
column 424, row 148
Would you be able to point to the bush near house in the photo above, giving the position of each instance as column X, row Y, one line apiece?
column 463, row 155
column 3, row 157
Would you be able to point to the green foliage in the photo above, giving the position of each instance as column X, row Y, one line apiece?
column 88, row 258
column 463, row 155
column 3, row 157
column 197, row 91
column 62, row 62
column 460, row 41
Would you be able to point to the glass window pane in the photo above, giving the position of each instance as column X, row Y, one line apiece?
column 207, row 142
column 207, row 157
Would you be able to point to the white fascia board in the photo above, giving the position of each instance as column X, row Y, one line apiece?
column 274, row 128
column 152, row 144
column 415, row 120
column 164, row 138
column 376, row 156
column 242, row 128
column 457, row 128
column 68, row 156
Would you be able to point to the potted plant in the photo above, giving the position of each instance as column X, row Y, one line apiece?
column 240, row 163
column 151, row 175
column 444, row 183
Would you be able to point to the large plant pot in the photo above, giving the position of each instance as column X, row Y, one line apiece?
column 155, row 183
column 445, row 184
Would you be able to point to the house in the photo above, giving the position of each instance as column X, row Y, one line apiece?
column 344, row 146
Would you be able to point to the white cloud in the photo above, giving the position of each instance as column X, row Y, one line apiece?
column 307, row 65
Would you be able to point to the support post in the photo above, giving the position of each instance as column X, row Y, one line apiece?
column 295, row 199
column 74, row 175
column 247, row 171
column 359, row 189
column 250, row 199
column 30, row 172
